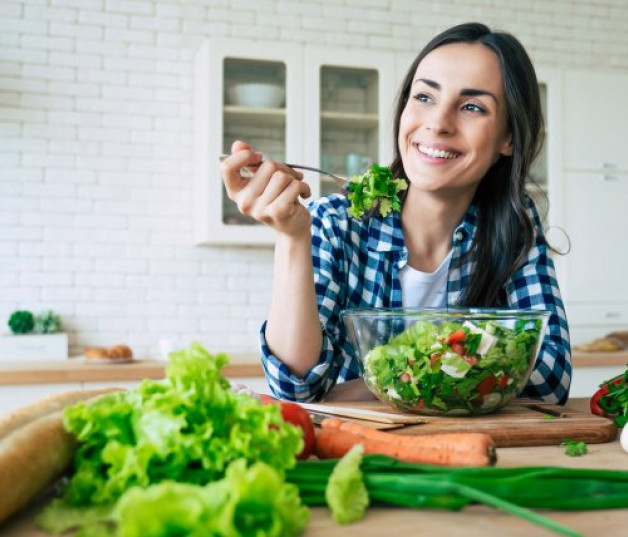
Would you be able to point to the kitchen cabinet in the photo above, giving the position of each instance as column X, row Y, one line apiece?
column 595, row 119
column 597, row 222
column 595, row 187
column 335, row 116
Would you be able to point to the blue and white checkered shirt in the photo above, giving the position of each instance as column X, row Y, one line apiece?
column 356, row 265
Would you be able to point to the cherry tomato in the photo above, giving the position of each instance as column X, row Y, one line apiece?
column 457, row 336
column 294, row 414
column 486, row 386
column 459, row 349
column 503, row 382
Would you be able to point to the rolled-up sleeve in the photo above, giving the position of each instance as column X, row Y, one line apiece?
column 336, row 359
column 534, row 286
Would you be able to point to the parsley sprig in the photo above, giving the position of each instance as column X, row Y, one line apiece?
column 574, row 448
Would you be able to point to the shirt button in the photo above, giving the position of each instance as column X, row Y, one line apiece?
column 459, row 235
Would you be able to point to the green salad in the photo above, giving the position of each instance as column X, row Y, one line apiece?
column 375, row 190
column 452, row 367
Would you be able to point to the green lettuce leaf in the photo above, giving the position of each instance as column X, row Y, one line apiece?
column 247, row 501
column 187, row 428
column 346, row 492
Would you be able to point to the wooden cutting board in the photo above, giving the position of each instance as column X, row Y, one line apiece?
column 522, row 423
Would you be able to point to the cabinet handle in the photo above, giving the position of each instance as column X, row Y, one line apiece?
column 608, row 165
column 612, row 315
column 606, row 177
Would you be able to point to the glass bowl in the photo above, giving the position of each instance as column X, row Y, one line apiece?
column 446, row 361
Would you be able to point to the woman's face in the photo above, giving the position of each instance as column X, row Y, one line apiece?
column 454, row 125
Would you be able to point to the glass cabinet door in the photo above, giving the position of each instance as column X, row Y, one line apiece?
column 253, row 110
column 349, row 99
column 244, row 91
column 349, row 122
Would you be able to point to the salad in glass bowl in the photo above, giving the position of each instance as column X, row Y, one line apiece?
column 446, row 361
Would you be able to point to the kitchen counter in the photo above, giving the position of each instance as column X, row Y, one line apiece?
column 474, row 521
column 240, row 365
column 82, row 370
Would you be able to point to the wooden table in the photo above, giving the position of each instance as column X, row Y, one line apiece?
column 475, row 521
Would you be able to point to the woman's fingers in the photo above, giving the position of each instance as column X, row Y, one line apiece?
column 279, row 183
column 239, row 145
column 265, row 185
column 285, row 205
column 271, row 195
column 230, row 170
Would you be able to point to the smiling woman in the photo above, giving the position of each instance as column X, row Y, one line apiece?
column 468, row 127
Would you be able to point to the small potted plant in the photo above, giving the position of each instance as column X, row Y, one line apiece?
column 34, row 337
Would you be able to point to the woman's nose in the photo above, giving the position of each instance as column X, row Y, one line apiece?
column 440, row 120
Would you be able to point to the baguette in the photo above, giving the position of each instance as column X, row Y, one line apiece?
column 35, row 450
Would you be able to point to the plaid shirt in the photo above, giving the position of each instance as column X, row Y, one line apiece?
column 356, row 265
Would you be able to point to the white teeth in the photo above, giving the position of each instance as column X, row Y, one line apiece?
column 439, row 153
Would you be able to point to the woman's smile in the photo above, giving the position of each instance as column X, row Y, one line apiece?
column 437, row 153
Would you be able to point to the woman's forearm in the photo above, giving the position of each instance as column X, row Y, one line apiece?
column 293, row 330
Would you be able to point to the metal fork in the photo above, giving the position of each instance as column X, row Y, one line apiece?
column 338, row 179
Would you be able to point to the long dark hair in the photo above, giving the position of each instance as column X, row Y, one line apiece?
column 505, row 232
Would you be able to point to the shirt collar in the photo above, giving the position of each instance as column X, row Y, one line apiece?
column 386, row 234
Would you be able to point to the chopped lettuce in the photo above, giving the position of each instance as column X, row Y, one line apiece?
column 452, row 367
column 346, row 492
column 375, row 189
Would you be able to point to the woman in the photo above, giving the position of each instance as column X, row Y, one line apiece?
column 468, row 126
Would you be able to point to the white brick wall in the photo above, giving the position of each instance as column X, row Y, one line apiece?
column 96, row 146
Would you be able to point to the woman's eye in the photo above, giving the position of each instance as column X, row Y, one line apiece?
column 423, row 97
column 471, row 107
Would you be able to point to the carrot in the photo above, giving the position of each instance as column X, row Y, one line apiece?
column 456, row 449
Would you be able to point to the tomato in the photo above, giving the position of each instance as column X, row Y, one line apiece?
column 486, row 386
column 296, row 415
column 503, row 382
column 456, row 337
column 459, row 349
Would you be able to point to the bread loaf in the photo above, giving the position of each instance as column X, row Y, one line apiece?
column 116, row 352
column 34, row 448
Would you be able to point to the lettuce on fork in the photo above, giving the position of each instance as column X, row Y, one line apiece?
column 189, row 428
column 376, row 189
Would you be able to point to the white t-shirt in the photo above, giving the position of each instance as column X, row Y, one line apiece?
column 425, row 289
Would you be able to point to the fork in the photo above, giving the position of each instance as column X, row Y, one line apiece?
column 338, row 179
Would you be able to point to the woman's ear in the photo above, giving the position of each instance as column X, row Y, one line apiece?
column 506, row 149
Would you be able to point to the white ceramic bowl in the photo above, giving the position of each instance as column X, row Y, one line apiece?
column 257, row 95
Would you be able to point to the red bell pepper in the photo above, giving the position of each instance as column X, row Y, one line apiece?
column 611, row 400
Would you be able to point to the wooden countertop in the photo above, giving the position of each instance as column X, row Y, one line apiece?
column 81, row 370
column 599, row 359
column 474, row 521
column 240, row 366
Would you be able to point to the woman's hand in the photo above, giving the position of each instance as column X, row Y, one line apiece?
column 271, row 196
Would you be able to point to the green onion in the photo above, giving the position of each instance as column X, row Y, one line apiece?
column 513, row 490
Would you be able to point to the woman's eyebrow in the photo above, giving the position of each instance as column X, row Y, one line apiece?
column 467, row 92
